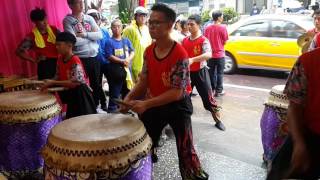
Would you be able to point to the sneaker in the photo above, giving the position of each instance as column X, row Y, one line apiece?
column 104, row 108
column 193, row 94
column 218, row 94
column 154, row 156
column 100, row 111
column 220, row 125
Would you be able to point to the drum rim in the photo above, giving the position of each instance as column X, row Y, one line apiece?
column 67, row 155
column 31, row 112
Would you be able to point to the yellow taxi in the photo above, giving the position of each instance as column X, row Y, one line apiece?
column 265, row 42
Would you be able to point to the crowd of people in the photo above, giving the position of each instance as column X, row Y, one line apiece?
column 146, row 65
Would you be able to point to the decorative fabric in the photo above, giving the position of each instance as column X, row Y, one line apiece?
column 274, row 129
column 138, row 170
column 20, row 144
column 296, row 86
column 71, row 70
column 38, row 39
column 129, row 80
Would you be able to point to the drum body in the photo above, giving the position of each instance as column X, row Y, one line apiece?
column 274, row 128
column 98, row 146
column 26, row 118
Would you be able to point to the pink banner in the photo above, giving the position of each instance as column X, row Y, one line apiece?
column 15, row 24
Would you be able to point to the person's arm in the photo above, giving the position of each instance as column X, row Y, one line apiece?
column 22, row 49
column 96, row 33
column 68, row 28
column 225, row 35
column 296, row 90
column 206, row 49
column 131, row 52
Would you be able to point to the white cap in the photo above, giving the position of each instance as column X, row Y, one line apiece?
column 91, row 11
column 140, row 10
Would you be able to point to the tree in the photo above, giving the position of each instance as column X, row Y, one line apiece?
column 126, row 9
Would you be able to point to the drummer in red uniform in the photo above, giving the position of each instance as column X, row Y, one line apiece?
column 199, row 51
column 72, row 76
column 42, row 41
column 163, row 82
column 299, row 157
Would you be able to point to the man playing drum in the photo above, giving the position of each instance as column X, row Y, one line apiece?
column 163, row 82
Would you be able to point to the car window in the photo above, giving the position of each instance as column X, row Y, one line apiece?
column 286, row 29
column 257, row 29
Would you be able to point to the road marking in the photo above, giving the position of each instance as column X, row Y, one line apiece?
column 247, row 87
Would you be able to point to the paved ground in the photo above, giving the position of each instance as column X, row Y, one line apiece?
column 235, row 153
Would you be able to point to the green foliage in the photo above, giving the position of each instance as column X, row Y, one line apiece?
column 124, row 16
column 230, row 15
column 205, row 16
column 126, row 10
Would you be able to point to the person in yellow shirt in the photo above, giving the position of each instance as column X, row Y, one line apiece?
column 138, row 34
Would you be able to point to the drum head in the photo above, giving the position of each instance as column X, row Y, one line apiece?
column 27, row 106
column 96, row 142
column 277, row 98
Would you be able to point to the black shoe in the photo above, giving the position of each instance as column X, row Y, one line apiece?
column 218, row 94
column 104, row 108
column 220, row 126
column 193, row 94
column 154, row 156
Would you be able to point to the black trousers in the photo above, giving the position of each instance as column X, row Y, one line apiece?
column 216, row 66
column 92, row 68
column 103, row 71
column 201, row 80
column 178, row 116
column 280, row 167
column 47, row 68
column 79, row 101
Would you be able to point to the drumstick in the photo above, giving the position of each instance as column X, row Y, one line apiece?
column 121, row 102
column 27, row 81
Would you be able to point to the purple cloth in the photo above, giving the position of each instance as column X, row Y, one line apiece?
column 20, row 144
column 272, row 139
column 140, row 171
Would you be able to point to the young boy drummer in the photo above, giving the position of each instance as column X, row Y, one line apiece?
column 70, row 74
column 199, row 51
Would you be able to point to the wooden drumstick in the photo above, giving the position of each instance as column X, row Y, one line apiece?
column 121, row 102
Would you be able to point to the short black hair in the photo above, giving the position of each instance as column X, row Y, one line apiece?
column 216, row 15
column 169, row 13
column 70, row 2
column 183, row 22
column 316, row 12
column 196, row 18
column 37, row 15
column 66, row 37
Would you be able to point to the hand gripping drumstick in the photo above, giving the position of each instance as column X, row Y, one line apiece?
column 121, row 102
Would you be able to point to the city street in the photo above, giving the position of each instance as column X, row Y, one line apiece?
column 237, row 152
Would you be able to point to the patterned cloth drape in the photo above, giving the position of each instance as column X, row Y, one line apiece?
column 15, row 21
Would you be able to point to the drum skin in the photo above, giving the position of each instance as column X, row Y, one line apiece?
column 99, row 146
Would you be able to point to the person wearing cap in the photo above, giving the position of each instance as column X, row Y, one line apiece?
column 71, row 75
column 139, row 36
column 42, row 41
column 101, row 57
column 87, row 32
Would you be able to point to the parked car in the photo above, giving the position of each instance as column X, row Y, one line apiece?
column 265, row 42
